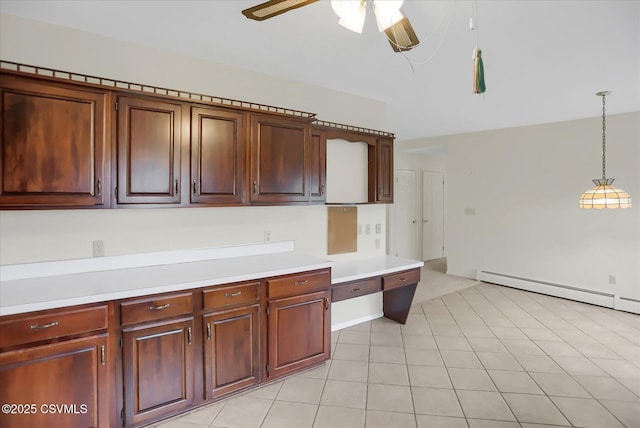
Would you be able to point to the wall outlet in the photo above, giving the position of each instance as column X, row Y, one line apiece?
column 612, row 279
column 378, row 228
column 359, row 229
column 377, row 244
column 267, row 235
column 98, row 248
column 367, row 229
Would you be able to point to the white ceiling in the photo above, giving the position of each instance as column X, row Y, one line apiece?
column 544, row 60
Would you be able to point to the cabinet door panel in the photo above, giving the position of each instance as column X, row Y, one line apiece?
column 384, row 165
column 53, row 145
column 148, row 151
column 299, row 332
column 218, row 150
column 318, row 165
column 158, row 369
column 231, row 350
column 66, row 382
column 279, row 160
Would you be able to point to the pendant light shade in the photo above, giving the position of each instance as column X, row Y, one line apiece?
column 604, row 195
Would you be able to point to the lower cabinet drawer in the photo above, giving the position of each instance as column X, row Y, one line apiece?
column 400, row 279
column 155, row 308
column 292, row 285
column 221, row 296
column 33, row 328
column 355, row 289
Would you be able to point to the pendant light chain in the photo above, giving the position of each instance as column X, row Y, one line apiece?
column 604, row 128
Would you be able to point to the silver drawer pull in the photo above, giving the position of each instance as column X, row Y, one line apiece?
column 43, row 326
column 300, row 282
column 237, row 293
column 355, row 290
column 158, row 308
column 403, row 279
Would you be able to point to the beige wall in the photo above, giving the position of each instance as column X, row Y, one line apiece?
column 524, row 184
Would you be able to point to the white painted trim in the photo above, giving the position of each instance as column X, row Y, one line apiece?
column 548, row 288
column 69, row 267
column 627, row 305
column 356, row 321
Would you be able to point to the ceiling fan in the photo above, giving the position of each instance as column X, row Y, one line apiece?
column 352, row 14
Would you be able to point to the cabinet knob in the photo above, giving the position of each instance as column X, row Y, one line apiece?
column 255, row 186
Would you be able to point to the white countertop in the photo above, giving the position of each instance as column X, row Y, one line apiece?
column 39, row 286
column 351, row 270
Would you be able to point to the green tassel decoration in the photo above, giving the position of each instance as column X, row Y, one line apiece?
column 478, row 72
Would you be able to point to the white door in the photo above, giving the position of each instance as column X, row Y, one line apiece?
column 404, row 224
column 432, row 215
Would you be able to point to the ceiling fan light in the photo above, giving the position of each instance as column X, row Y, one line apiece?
column 387, row 13
column 352, row 14
column 401, row 36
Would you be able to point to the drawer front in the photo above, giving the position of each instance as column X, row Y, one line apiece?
column 222, row 295
column 400, row 279
column 355, row 289
column 303, row 283
column 155, row 308
column 53, row 325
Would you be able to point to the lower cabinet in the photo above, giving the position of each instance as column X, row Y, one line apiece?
column 63, row 367
column 63, row 384
column 158, row 369
column 231, row 350
column 299, row 330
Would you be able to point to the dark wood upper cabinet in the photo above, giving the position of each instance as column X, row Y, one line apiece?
column 318, row 166
column 384, row 170
column 218, row 156
column 148, row 145
column 64, row 146
column 279, row 160
column 53, row 145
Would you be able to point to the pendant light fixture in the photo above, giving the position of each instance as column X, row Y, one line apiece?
column 604, row 195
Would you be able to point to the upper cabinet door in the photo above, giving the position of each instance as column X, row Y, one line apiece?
column 53, row 145
column 279, row 160
column 318, row 166
column 148, row 151
column 218, row 156
column 384, row 173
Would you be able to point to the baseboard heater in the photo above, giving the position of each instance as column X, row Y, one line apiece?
column 608, row 300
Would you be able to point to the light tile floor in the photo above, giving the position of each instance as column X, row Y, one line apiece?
column 484, row 356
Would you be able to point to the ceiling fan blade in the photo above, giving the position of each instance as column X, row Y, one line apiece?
column 273, row 8
column 401, row 36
